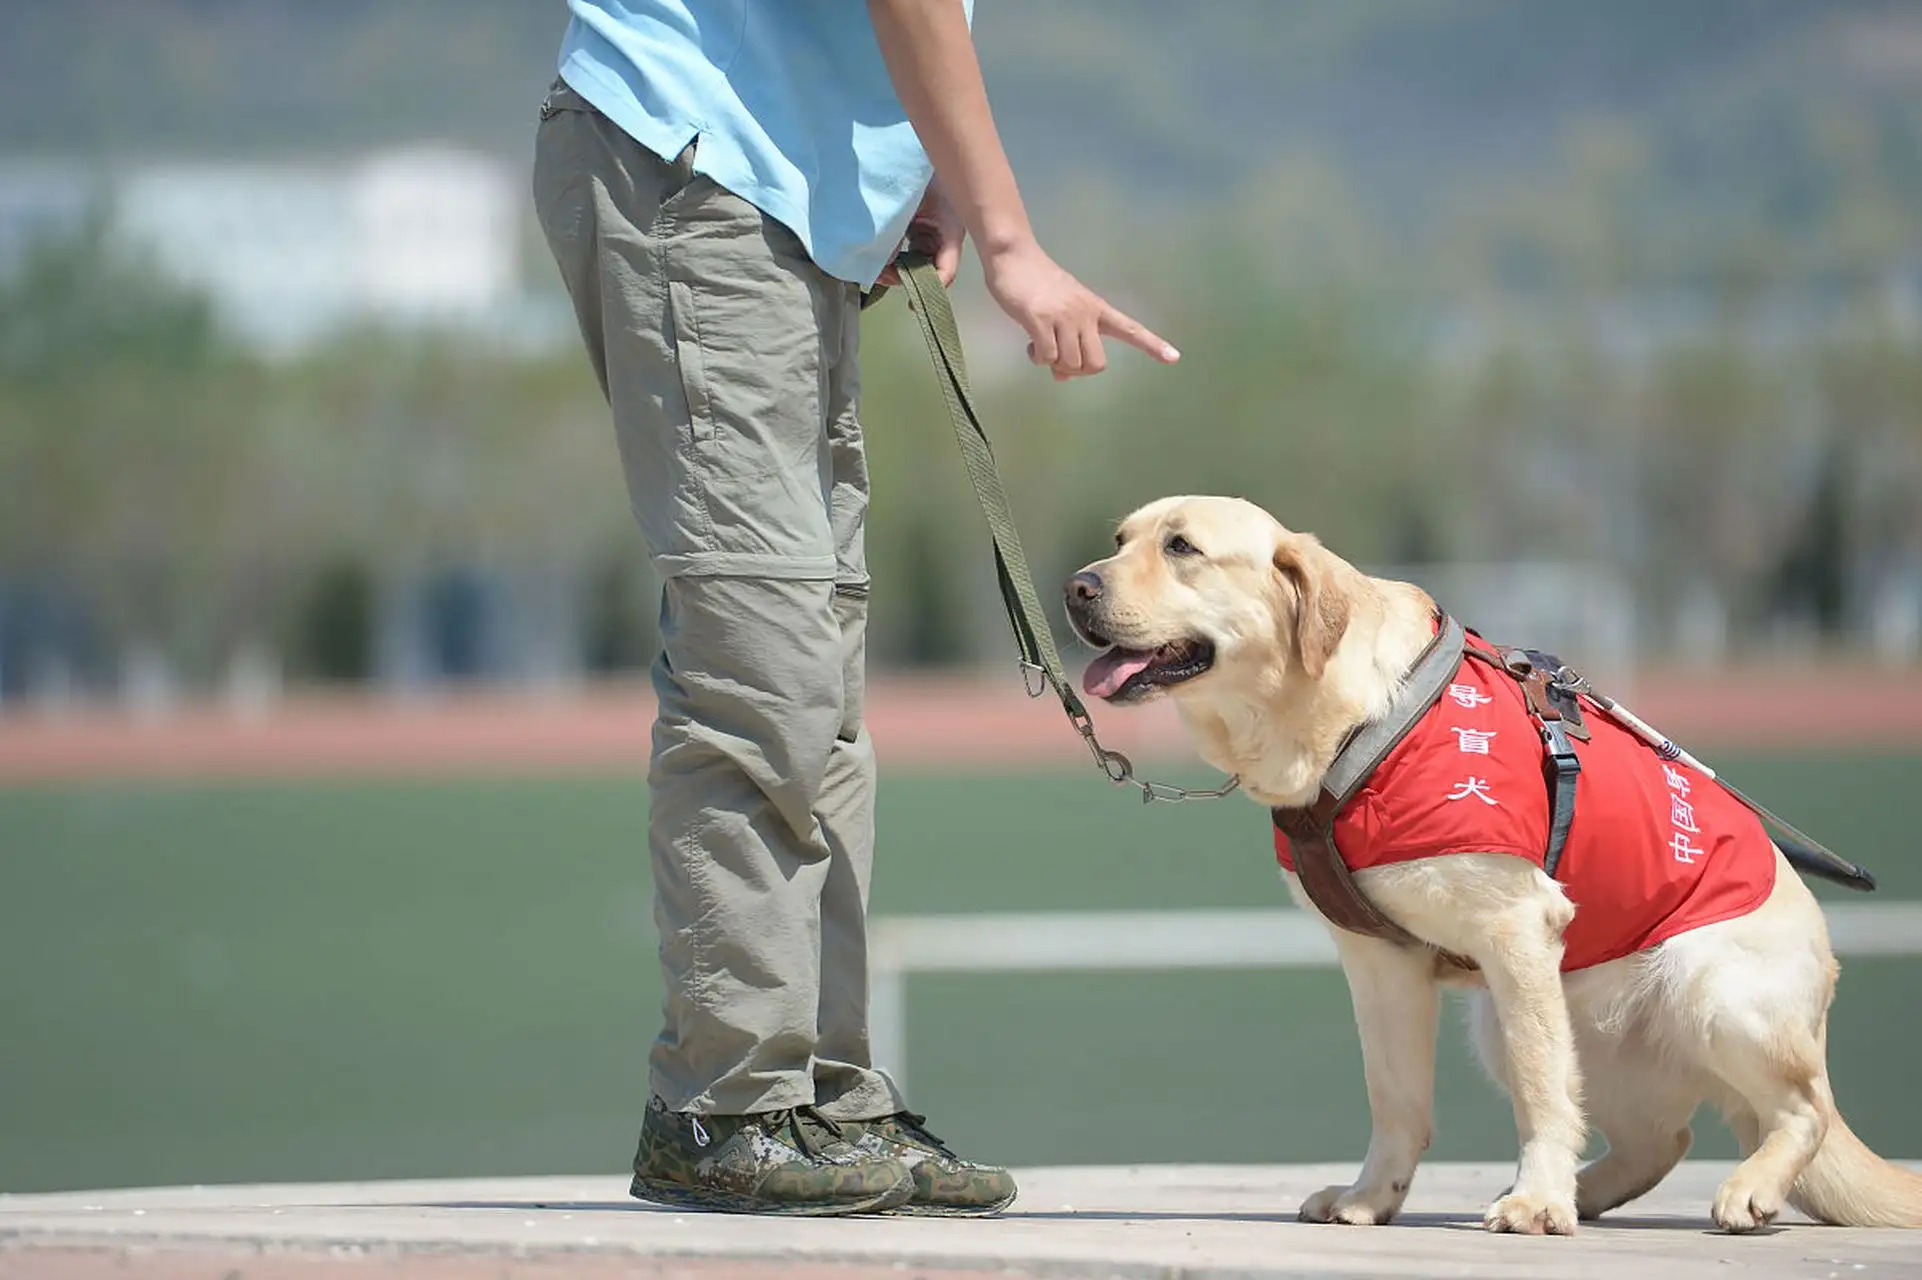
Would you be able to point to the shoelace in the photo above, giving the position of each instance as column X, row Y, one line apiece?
column 918, row 1126
column 769, row 1122
column 797, row 1121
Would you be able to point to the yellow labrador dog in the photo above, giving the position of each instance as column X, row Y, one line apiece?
column 1274, row 650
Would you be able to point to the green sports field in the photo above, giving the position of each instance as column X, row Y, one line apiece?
column 216, row 983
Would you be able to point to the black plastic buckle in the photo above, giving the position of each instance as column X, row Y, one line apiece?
column 1561, row 748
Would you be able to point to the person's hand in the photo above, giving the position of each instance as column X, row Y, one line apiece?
column 936, row 230
column 1065, row 319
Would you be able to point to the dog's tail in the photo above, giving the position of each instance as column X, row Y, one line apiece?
column 1848, row 1185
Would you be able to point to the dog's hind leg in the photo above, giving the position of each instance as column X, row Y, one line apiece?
column 1768, row 1044
column 1395, row 998
column 1640, row 1104
column 1643, row 1107
column 1787, row 1097
column 1745, row 1001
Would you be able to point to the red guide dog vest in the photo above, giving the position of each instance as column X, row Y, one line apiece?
column 1656, row 849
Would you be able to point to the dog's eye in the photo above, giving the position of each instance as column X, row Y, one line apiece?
column 1119, row 541
column 1180, row 546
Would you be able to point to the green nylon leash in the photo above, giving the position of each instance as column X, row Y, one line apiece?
column 928, row 299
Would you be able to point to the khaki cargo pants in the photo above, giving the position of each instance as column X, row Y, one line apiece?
column 728, row 358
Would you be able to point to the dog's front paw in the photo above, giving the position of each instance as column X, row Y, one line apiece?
column 1355, row 1206
column 1532, row 1215
column 1743, row 1205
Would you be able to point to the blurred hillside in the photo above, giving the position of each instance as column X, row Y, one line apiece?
column 1421, row 102
column 1601, row 319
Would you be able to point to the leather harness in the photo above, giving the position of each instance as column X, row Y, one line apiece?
column 1547, row 689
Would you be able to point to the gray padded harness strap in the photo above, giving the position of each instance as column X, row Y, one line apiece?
column 1370, row 744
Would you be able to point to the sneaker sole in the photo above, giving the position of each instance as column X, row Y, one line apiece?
column 677, row 1195
column 913, row 1210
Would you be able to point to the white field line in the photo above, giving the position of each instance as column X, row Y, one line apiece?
column 1055, row 942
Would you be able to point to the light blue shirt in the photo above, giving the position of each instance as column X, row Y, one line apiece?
column 789, row 98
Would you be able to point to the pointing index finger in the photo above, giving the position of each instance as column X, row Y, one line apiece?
column 1118, row 324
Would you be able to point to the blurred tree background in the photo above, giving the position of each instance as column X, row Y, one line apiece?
column 1635, row 288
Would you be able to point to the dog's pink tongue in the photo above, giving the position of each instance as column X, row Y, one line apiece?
column 1108, row 672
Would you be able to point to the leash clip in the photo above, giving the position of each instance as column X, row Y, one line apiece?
column 1120, row 770
column 1117, row 766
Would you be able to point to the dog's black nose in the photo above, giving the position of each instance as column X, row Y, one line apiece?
column 1084, row 586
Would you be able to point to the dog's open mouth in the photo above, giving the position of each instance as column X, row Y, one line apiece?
column 1120, row 675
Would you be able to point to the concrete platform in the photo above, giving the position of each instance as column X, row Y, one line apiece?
column 1145, row 1221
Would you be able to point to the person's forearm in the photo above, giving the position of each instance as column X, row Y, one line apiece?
column 930, row 58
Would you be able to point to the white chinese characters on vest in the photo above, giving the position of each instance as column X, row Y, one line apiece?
column 1681, row 816
column 1471, row 741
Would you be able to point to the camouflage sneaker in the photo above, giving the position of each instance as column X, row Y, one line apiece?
column 945, row 1185
column 787, row 1162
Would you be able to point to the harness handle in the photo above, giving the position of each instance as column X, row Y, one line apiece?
column 1804, row 852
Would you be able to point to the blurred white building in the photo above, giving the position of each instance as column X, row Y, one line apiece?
column 292, row 252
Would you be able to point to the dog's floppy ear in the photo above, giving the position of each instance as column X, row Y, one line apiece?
column 1320, row 600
